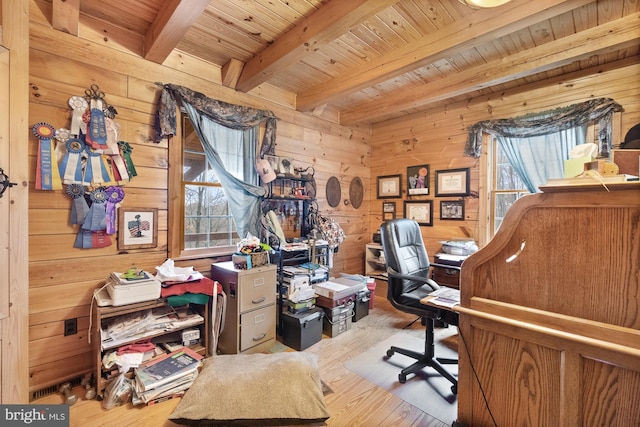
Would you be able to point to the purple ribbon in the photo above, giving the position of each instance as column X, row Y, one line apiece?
column 115, row 195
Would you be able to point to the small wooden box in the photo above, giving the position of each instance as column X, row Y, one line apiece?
column 628, row 161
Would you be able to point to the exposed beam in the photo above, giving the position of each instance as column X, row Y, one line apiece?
column 231, row 72
column 618, row 34
column 172, row 23
column 323, row 26
column 479, row 27
column 66, row 16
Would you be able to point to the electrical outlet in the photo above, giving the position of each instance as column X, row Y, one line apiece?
column 70, row 326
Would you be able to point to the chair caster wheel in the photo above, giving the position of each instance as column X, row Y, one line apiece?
column 402, row 378
column 454, row 389
column 390, row 353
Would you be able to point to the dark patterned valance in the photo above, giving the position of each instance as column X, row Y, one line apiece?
column 229, row 115
column 547, row 122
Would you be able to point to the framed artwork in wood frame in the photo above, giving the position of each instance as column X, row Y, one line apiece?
column 419, row 211
column 418, row 180
column 452, row 182
column 388, row 211
column 389, row 187
column 137, row 228
column 452, row 210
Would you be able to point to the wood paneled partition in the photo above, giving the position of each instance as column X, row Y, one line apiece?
column 550, row 332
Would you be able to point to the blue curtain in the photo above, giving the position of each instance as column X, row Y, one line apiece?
column 210, row 117
column 539, row 158
column 238, row 181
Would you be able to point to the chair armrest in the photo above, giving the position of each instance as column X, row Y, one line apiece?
column 414, row 278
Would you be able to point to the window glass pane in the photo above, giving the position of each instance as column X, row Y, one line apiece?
column 506, row 176
column 207, row 221
column 503, row 202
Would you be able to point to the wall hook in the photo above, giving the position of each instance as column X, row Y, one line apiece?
column 4, row 182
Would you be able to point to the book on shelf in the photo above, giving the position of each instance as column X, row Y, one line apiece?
column 167, row 368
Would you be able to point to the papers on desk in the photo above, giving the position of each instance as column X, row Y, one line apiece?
column 445, row 297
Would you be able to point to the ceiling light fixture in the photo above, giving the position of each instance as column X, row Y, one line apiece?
column 484, row 3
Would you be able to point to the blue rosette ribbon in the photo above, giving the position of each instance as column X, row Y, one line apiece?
column 115, row 195
column 96, row 217
column 71, row 165
column 79, row 206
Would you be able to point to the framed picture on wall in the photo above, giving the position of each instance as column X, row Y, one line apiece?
column 389, row 186
column 452, row 182
column 452, row 209
column 421, row 212
column 137, row 228
column 418, row 180
column 388, row 211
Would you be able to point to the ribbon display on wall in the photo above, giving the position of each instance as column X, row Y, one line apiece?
column 91, row 161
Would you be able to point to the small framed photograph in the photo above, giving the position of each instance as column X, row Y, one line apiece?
column 452, row 209
column 418, row 180
column 285, row 167
column 388, row 211
column 452, row 182
column 389, row 186
column 137, row 228
column 421, row 212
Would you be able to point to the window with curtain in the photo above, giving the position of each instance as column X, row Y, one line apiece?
column 524, row 152
column 218, row 186
column 207, row 219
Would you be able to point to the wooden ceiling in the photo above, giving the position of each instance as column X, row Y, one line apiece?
column 378, row 59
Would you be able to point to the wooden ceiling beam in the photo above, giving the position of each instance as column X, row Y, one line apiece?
column 171, row 24
column 329, row 22
column 619, row 34
column 66, row 16
column 479, row 27
column 231, row 73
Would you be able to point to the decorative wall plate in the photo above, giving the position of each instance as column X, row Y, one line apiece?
column 356, row 191
column 333, row 192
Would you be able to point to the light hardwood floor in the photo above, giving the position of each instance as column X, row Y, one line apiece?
column 354, row 401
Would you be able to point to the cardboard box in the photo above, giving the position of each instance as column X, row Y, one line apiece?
column 339, row 288
column 190, row 336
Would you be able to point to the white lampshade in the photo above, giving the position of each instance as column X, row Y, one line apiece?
column 485, row 3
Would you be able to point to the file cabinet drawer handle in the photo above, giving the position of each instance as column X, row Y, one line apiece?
column 259, row 338
column 258, row 301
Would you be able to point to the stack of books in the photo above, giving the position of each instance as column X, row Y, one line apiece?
column 166, row 377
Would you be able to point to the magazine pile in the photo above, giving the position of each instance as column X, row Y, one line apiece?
column 166, row 377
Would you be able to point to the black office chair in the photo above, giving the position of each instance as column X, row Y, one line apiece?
column 409, row 282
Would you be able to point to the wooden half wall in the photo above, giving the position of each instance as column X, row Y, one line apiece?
column 61, row 278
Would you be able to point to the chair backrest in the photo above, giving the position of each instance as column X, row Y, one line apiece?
column 404, row 252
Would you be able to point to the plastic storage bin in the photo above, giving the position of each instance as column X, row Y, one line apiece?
column 301, row 330
column 337, row 320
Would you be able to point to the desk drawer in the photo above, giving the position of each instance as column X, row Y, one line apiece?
column 446, row 276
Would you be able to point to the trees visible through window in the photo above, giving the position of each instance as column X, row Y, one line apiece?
column 507, row 187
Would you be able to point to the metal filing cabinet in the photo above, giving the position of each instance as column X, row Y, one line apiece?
column 250, row 318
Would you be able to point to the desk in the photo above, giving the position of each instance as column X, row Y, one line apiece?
column 445, row 300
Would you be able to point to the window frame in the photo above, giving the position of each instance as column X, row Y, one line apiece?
column 176, row 201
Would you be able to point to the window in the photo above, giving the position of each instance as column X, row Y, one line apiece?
column 506, row 185
column 203, row 218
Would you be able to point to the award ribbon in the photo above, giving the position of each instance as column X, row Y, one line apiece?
column 47, row 173
column 79, row 105
column 96, row 171
column 71, row 165
column 115, row 195
column 126, row 150
column 79, row 206
column 96, row 217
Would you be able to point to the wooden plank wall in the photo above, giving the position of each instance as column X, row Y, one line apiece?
column 437, row 137
column 61, row 278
